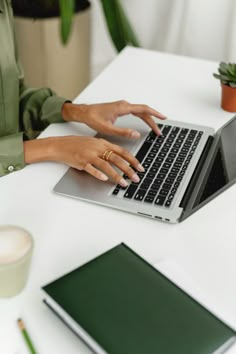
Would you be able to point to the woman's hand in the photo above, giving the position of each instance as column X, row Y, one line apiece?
column 101, row 117
column 95, row 156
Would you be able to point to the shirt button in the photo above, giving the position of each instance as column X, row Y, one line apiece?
column 11, row 168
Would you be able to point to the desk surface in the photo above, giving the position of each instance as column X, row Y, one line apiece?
column 204, row 244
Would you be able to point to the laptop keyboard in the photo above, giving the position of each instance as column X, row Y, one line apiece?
column 165, row 159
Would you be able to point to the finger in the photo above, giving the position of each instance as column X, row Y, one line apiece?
column 110, row 171
column 142, row 108
column 149, row 120
column 128, row 133
column 95, row 172
column 123, row 166
column 126, row 155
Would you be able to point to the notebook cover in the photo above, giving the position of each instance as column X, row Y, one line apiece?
column 129, row 307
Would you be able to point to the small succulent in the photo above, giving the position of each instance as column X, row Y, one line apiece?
column 227, row 74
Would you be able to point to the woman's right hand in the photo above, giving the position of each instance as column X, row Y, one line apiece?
column 95, row 156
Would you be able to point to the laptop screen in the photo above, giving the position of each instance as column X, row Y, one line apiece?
column 223, row 166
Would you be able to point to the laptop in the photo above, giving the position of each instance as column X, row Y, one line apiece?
column 185, row 168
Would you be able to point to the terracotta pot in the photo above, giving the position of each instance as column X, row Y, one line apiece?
column 228, row 98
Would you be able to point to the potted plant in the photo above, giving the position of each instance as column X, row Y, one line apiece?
column 60, row 59
column 227, row 75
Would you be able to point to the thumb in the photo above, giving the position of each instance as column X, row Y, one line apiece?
column 128, row 133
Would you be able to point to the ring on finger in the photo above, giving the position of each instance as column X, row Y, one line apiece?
column 107, row 155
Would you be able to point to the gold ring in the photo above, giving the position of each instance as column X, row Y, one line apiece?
column 107, row 154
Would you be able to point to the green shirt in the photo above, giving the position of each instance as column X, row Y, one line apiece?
column 24, row 112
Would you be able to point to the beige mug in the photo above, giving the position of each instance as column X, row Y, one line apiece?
column 16, row 247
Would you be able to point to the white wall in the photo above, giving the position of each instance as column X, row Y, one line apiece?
column 199, row 28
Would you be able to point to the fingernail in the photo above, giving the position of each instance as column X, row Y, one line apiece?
column 140, row 168
column 123, row 182
column 103, row 177
column 135, row 134
column 135, row 178
column 162, row 116
column 158, row 132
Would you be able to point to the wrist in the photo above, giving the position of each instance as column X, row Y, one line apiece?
column 39, row 150
column 74, row 112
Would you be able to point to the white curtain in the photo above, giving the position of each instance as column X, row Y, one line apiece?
column 199, row 28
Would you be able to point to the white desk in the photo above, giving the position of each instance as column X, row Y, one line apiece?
column 69, row 232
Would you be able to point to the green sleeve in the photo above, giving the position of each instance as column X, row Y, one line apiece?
column 37, row 109
column 11, row 153
column 25, row 112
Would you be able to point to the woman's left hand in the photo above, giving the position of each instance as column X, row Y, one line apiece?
column 102, row 117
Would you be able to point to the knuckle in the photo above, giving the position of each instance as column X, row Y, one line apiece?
column 122, row 102
column 92, row 112
column 78, row 167
column 94, row 156
column 129, row 171
column 84, row 165
column 117, row 177
column 97, row 173
column 115, row 158
column 123, row 151
column 102, row 141
column 133, row 161
column 113, row 174
column 103, row 164
column 126, row 154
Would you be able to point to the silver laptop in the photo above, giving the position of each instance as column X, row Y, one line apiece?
column 184, row 169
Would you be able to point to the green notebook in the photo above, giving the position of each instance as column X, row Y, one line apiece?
column 120, row 304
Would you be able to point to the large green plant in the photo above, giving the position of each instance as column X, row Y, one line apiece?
column 117, row 22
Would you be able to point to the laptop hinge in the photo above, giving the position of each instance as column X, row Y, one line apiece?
column 196, row 173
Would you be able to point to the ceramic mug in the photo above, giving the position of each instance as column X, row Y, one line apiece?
column 16, row 247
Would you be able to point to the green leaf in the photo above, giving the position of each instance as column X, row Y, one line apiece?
column 232, row 78
column 232, row 69
column 222, row 71
column 222, row 77
column 118, row 24
column 228, row 77
column 227, row 72
column 217, row 76
column 223, row 67
column 67, row 11
column 232, row 84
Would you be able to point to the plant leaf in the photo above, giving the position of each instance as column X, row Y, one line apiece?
column 223, row 67
column 231, row 69
column 217, row 76
column 222, row 71
column 118, row 24
column 67, row 11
